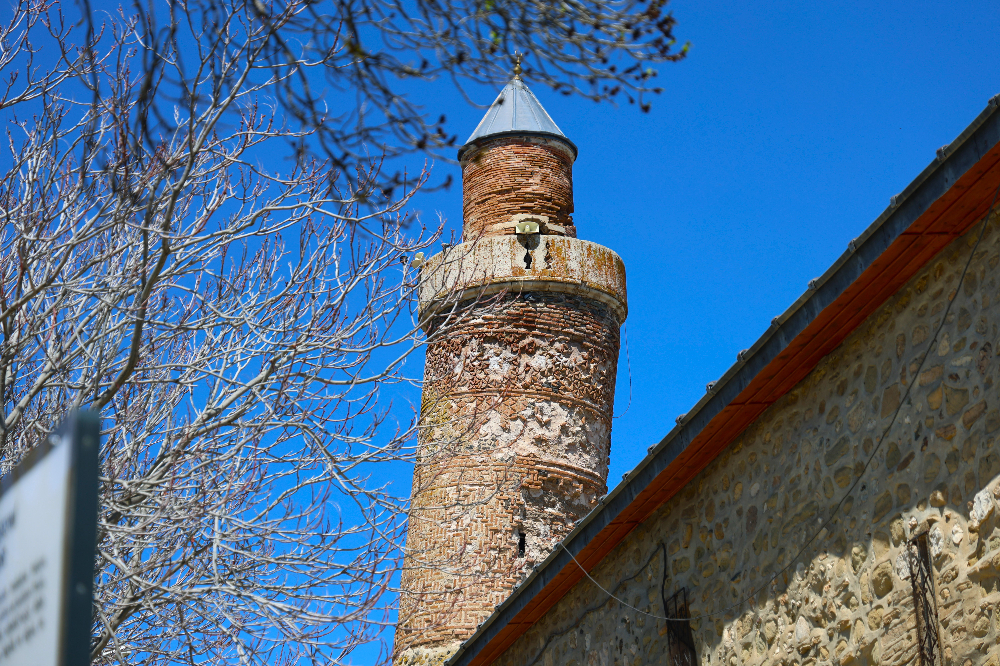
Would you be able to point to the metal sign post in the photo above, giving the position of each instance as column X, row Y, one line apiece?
column 48, row 527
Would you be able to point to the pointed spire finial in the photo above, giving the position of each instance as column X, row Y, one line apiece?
column 517, row 64
column 516, row 111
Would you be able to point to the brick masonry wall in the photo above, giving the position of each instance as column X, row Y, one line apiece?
column 507, row 176
column 516, row 433
column 849, row 598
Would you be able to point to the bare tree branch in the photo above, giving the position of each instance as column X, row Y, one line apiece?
column 205, row 237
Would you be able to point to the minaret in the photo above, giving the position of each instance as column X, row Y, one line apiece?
column 523, row 320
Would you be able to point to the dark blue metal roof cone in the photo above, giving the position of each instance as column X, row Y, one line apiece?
column 516, row 111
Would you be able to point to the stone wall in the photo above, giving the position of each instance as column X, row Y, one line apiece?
column 848, row 599
column 516, row 433
column 508, row 176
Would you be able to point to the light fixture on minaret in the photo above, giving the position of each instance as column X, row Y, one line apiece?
column 518, row 392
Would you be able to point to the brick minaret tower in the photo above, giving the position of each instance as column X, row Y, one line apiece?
column 523, row 319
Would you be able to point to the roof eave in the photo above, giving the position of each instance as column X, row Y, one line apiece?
column 549, row 581
column 517, row 133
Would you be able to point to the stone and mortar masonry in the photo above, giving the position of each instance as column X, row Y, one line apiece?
column 848, row 599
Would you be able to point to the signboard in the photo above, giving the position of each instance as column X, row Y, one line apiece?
column 48, row 525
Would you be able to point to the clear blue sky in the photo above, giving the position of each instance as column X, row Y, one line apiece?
column 778, row 140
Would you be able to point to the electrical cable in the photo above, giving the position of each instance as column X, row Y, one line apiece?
column 594, row 608
column 628, row 362
column 637, row 610
column 836, row 508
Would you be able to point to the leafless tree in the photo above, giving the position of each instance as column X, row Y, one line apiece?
column 205, row 235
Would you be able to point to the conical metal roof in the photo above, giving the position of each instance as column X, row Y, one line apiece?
column 516, row 111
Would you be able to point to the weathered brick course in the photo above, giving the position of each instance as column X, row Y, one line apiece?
column 507, row 176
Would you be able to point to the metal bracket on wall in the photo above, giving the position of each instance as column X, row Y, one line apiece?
column 680, row 641
column 929, row 651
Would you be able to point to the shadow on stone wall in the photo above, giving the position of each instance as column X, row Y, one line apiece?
column 849, row 599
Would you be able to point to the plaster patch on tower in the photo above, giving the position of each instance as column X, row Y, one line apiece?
column 500, row 362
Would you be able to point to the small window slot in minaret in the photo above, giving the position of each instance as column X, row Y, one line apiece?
column 521, row 543
column 527, row 259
